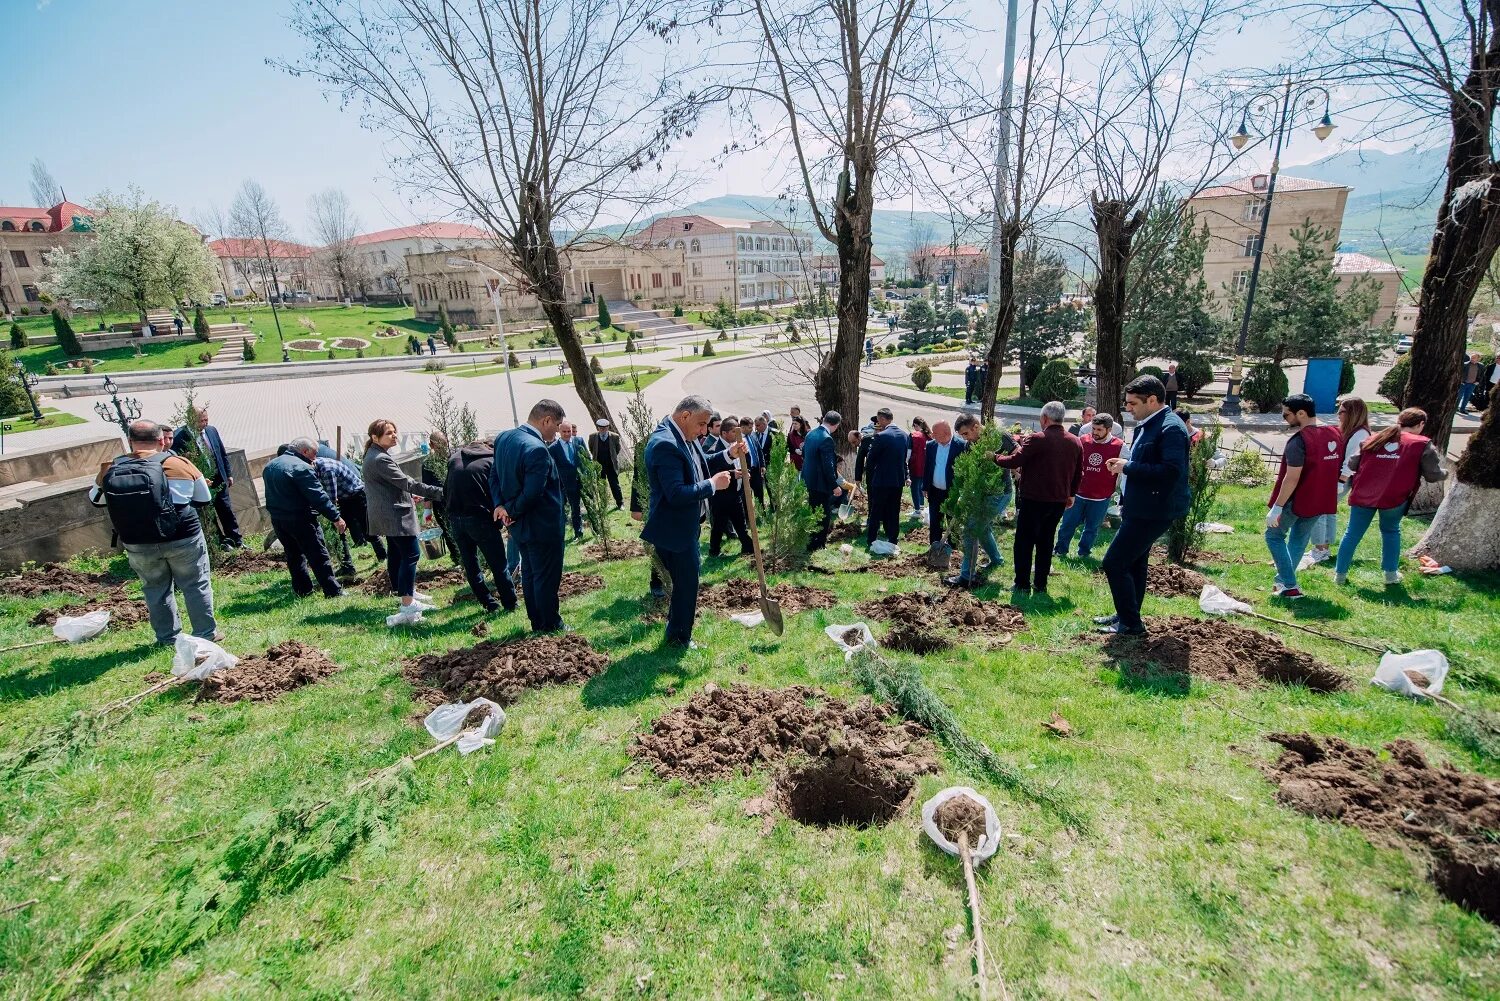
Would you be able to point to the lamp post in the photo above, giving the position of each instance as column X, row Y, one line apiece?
column 29, row 381
column 496, row 283
column 126, row 410
column 1275, row 107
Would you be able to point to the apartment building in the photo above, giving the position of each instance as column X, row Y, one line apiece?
column 27, row 237
column 825, row 271
column 742, row 261
column 382, row 254
column 255, row 269
column 1385, row 275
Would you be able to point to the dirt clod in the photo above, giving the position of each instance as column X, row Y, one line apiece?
column 124, row 611
column 243, row 561
column 55, row 577
column 263, row 677
column 1172, row 581
column 1058, row 725
column 500, row 672
column 960, row 815
column 920, row 619
column 911, row 565
column 574, row 583
column 853, row 636
column 1221, row 651
column 619, row 549
column 1453, row 814
column 481, row 628
column 742, row 593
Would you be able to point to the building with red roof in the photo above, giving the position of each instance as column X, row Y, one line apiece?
column 382, row 254
column 28, row 236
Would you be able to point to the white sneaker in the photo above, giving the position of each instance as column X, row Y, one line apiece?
column 1393, row 577
column 403, row 618
column 1276, row 589
column 424, row 598
column 1320, row 556
column 417, row 605
column 1308, row 560
column 1341, row 578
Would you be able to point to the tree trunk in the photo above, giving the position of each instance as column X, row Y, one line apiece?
column 836, row 383
column 1115, row 226
column 1003, row 304
column 1455, row 537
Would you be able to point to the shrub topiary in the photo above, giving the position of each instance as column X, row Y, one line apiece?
column 604, row 321
column 708, row 348
column 512, row 361
column 66, row 339
column 1265, row 386
column 677, row 309
column 12, row 393
column 200, row 324
column 595, row 367
column 1346, row 378
column 921, row 377
column 1193, row 373
column 1393, row 383
column 17, row 336
column 1056, row 381
column 1031, row 369
column 247, row 350
column 1155, row 370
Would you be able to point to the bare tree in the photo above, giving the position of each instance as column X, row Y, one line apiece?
column 529, row 116
column 45, row 191
column 334, row 227
column 255, row 223
column 921, row 238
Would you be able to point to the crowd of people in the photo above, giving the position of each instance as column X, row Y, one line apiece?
column 505, row 506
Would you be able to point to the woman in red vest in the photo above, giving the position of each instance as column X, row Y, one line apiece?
column 1387, row 471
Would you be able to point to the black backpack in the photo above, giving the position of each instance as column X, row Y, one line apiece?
column 140, row 500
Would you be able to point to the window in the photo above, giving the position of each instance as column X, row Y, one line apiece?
column 1253, row 209
column 662, row 245
column 1241, row 281
column 382, row 257
column 696, row 247
column 7, row 226
column 677, row 279
column 1260, row 182
column 656, row 279
column 1250, row 246
column 697, row 269
column 698, row 293
column 739, row 242
column 679, row 245
column 18, row 258
column 776, row 243
column 31, row 293
column 36, row 226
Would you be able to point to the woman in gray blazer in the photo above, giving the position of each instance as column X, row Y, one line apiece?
column 388, row 492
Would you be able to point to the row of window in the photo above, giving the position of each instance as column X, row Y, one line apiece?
column 780, row 265
column 769, row 243
column 34, row 226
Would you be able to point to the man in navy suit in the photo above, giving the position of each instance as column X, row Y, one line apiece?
column 1156, row 494
column 885, row 474
column 206, row 437
column 565, row 454
column 681, row 479
column 820, row 474
column 527, row 494
column 943, row 450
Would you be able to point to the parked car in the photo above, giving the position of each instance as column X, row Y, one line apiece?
column 218, row 299
column 300, row 296
column 1403, row 344
column 84, row 306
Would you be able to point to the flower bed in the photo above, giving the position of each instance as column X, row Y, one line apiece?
column 306, row 344
column 350, row 343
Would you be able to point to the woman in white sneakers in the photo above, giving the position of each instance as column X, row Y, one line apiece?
column 1389, row 467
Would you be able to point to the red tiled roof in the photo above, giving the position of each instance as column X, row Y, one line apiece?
column 964, row 250
column 1363, row 264
column 424, row 231
column 58, row 218
column 1246, row 186
column 233, row 247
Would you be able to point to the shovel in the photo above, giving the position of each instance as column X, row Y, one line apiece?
column 769, row 607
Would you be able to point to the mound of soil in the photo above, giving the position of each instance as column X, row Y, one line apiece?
column 243, row 561
column 1172, row 581
column 124, row 611
column 728, row 731
column 742, row 593
column 619, row 549
column 574, row 583
column 853, row 785
column 960, row 815
column 911, row 565
column 1221, row 651
column 350, row 343
column 500, row 672
column 1454, row 814
column 379, row 582
column 264, row 676
column 919, row 618
column 54, row 577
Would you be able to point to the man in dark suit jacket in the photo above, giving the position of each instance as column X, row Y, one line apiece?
column 885, row 475
column 527, row 494
column 943, row 450
column 681, row 480
column 604, row 447
column 1156, row 493
column 820, row 474
column 206, row 437
column 971, row 371
column 565, row 453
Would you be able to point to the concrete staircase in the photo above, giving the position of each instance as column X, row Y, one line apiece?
column 649, row 322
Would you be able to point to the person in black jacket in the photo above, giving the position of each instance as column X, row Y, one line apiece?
column 885, row 471
column 726, row 509
column 294, row 499
column 466, row 495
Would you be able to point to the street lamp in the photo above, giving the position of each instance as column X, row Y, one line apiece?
column 126, row 410
column 495, row 284
column 1294, row 98
column 29, row 381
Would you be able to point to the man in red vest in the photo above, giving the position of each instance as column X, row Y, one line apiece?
column 1307, row 487
column 1095, row 488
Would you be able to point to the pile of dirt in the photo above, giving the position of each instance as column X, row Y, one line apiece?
column 574, row 583
column 911, row 565
column 500, row 672
column 852, row 785
column 124, row 611
column 243, row 561
column 742, row 593
column 1454, row 814
column 728, row 731
column 379, row 582
column 619, row 549
column 1220, row 651
column 918, row 536
column 264, row 676
column 1170, row 580
column 920, row 620
column 960, row 815
column 55, row 577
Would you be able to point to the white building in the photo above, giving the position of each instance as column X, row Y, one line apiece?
column 382, row 254
column 741, row 261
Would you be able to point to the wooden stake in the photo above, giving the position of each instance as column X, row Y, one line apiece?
column 963, row 850
column 1319, row 632
column 24, row 646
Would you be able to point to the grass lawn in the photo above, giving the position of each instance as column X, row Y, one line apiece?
column 646, row 372
column 51, row 418
column 637, row 351
column 551, row 865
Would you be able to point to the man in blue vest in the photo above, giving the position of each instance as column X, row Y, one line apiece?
column 681, row 480
column 527, row 494
column 820, row 474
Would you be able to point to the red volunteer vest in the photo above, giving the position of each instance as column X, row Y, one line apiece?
column 1098, row 483
column 1317, row 491
column 1388, row 476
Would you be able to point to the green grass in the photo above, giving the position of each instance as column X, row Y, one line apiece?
column 51, row 418
column 550, row 866
column 647, row 375
column 637, row 351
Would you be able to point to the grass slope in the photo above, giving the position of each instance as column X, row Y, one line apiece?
column 550, row 866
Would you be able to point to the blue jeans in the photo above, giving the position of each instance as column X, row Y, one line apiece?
column 1465, row 393
column 401, row 556
column 918, row 492
column 1287, row 543
column 982, row 536
column 1325, row 529
column 1390, row 537
column 166, row 568
column 1090, row 514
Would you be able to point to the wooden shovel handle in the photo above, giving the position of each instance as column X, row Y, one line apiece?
column 760, row 566
column 963, row 850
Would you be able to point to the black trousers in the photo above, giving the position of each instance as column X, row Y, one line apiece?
column 573, row 498
column 1125, row 563
column 885, row 513
column 823, row 504
column 1171, row 400
column 303, row 543
column 229, row 525
column 356, row 512
column 1036, row 533
column 936, row 497
column 472, row 535
column 683, row 568
column 541, row 577
column 758, row 484
column 612, row 474
column 727, row 517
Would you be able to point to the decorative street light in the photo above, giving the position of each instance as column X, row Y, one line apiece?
column 495, row 283
column 29, row 381
column 126, row 410
column 1273, row 108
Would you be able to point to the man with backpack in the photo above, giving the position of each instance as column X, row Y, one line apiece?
column 151, row 496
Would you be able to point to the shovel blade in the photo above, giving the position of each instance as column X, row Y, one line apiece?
column 771, row 609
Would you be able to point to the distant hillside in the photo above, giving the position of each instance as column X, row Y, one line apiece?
column 1395, row 196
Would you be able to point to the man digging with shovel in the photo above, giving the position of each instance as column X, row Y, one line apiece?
column 682, row 479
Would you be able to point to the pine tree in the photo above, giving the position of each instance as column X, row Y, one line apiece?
column 200, row 324
column 17, row 336
column 12, row 393
column 708, row 348
column 446, row 325
column 630, row 343
column 976, row 479
column 595, row 366
column 604, row 320
column 66, row 339
column 247, row 350
column 787, row 521
column 593, row 489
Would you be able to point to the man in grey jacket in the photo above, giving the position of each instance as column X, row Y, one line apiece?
column 294, row 499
